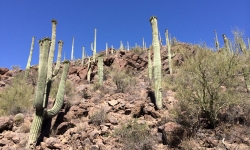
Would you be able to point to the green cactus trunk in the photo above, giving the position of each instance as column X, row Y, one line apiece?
column 100, row 70
column 29, row 60
column 52, row 49
column 169, row 53
column 157, row 63
column 59, row 56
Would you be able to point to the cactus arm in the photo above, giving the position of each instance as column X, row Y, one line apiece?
column 42, row 76
column 59, row 55
column 157, row 63
column 169, row 53
column 29, row 59
column 60, row 93
column 52, row 49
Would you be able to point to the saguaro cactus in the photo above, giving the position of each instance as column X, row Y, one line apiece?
column 93, row 47
column 52, row 49
column 143, row 44
column 106, row 49
column 59, row 55
column 157, row 63
column 41, row 98
column 29, row 59
column 83, row 55
column 72, row 50
column 127, row 46
column 89, row 70
column 121, row 45
column 100, row 70
column 216, row 42
column 226, row 45
column 169, row 52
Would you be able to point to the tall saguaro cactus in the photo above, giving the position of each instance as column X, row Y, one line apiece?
column 83, row 55
column 127, row 46
column 29, row 59
column 93, row 47
column 169, row 52
column 100, row 70
column 89, row 70
column 157, row 63
column 72, row 50
column 226, row 45
column 106, row 49
column 52, row 49
column 216, row 41
column 41, row 98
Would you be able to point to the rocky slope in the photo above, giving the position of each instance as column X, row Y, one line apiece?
column 106, row 118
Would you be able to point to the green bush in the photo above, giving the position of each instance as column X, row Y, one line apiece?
column 134, row 136
column 206, row 84
column 16, row 97
column 123, row 81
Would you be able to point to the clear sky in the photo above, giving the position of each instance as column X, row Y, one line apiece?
column 191, row 21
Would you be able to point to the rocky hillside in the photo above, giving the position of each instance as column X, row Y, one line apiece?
column 121, row 114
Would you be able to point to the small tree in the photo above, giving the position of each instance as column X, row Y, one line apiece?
column 207, row 83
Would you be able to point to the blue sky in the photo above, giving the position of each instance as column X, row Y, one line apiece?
column 191, row 21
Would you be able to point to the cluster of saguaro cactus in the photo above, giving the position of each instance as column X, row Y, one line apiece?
column 29, row 59
column 100, row 70
column 45, row 78
column 169, row 52
column 157, row 63
column 93, row 47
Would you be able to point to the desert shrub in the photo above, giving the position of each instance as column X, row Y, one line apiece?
column 206, row 84
column 98, row 117
column 137, row 50
column 134, row 136
column 123, row 81
column 16, row 97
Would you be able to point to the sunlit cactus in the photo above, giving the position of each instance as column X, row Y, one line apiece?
column 42, row 91
column 89, row 70
column 72, row 49
column 29, row 59
column 83, row 55
column 216, row 41
column 106, row 49
column 59, row 55
column 93, row 47
column 169, row 53
column 226, row 45
column 121, row 45
column 157, row 63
